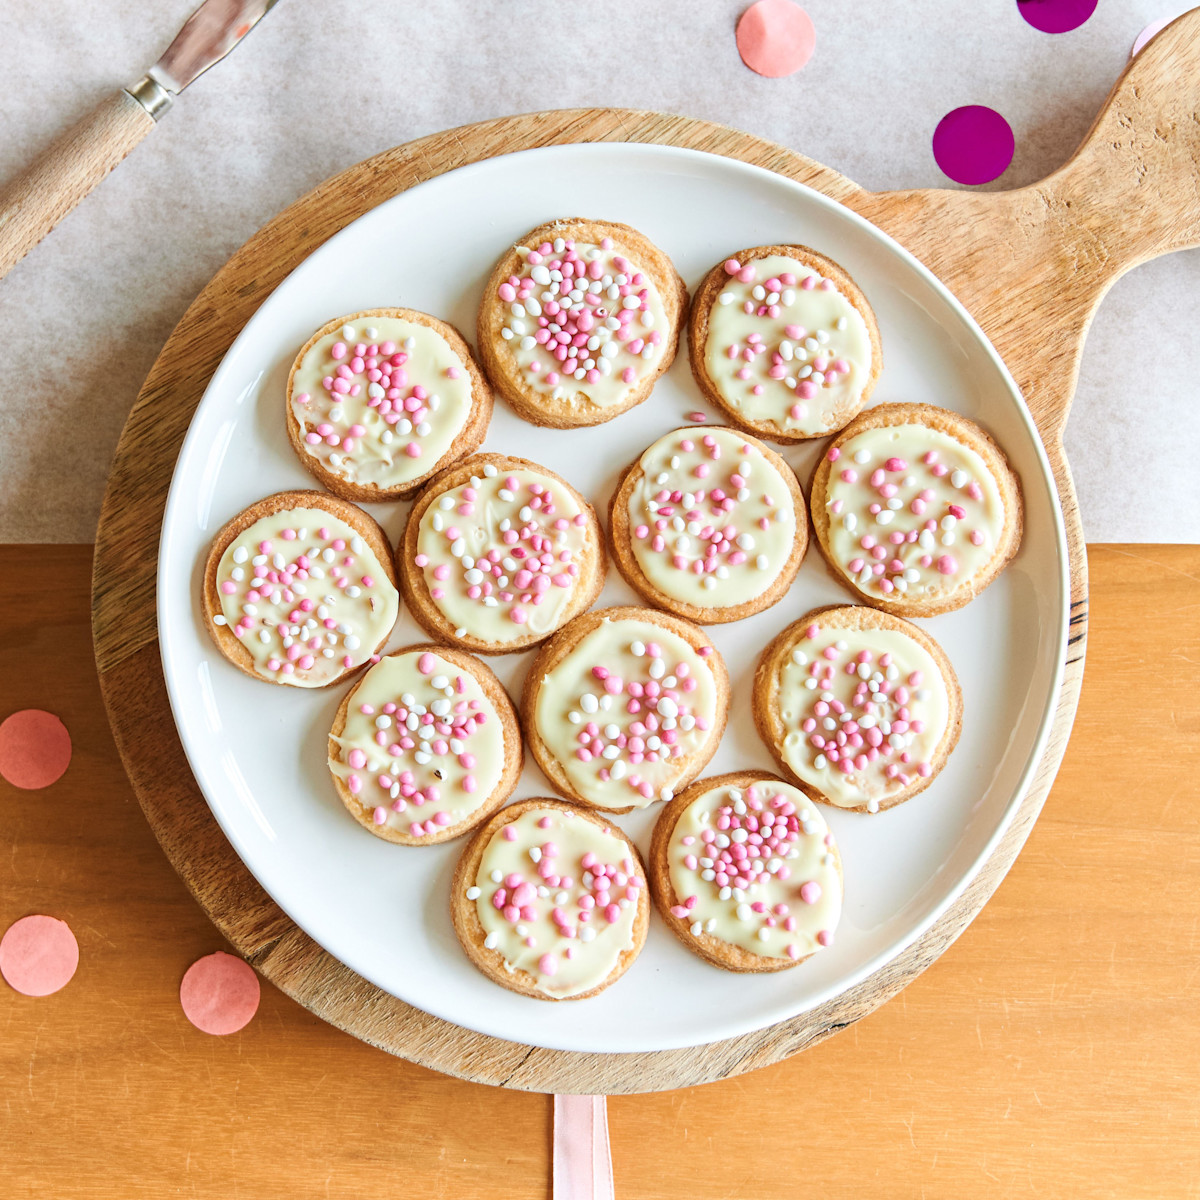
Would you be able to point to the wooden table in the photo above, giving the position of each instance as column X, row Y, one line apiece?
column 1053, row 1051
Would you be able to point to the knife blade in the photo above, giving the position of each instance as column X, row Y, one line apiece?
column 206, row 37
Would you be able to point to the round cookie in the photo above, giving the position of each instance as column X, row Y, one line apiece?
column 860, row 708
column 709, row 524
column 784, row 342
column 300, row 589
column 746, row 873
column 381, row 400
column 550, row 900
column 624, row 707
column 425, row 746
column 916, row 508
column 498, row 553
column 605, row 297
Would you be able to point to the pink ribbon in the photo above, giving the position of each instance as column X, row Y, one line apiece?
column 582, row 1157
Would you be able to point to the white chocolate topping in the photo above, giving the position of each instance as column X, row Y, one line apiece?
column 422, row 747
column 306, row 596
column 711, row 522
column 912, row 512
column 865, row 711
column 557, row 896
column 380, row 400
column 585, row 323
column 758, row 868
column 501, row 553
column 786, row 347
column 623, row 708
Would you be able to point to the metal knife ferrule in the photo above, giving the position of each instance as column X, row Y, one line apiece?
column 151, row 95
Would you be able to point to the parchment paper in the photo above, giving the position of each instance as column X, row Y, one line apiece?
column 320, row 85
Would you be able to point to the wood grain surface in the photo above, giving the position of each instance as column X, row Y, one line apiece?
column 1031, row 265
column 1053, row 1051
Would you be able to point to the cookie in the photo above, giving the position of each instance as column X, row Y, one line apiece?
column 425, row 746
column 784, row 342
column 709, row 524
column 624, row 707
column 379, row 401
column 916, row 508
column 498, row 553
column 299, row 589
column 860, row 708
column 745, row 872
column 550, row 900
column 579, row 320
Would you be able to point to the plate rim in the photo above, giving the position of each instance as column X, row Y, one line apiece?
column 883, row 241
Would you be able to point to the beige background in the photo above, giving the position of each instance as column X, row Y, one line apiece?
column 322, row 84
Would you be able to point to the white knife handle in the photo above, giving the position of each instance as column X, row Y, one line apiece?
column 33, row 203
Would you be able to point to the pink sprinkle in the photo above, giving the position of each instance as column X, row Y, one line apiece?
column 698, row 417
column 547, row 964
column 810, row 893
column 379, row 816
column 834, row 454
column 413, row 450
column 825, row 937
column 426, row 664
column 947, row 564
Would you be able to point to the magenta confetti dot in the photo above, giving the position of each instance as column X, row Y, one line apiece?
column 973, row 144
column 1056, row 16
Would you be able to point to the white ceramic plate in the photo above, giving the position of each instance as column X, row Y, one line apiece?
column 258, row 751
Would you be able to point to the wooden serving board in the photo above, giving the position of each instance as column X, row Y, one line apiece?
column 1031, row 265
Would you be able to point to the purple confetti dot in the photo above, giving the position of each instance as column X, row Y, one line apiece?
column 1056, row 16
column 973, row 144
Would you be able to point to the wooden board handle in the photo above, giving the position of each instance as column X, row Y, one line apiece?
column 33, row 203
column 1032, row 264
column 1136, row 177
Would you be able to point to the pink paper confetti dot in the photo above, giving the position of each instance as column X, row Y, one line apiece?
column 38, row 955
column 973, row 144
column 219, row 993
column 35, row 749
column 1155, row 27
column 775, row 38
